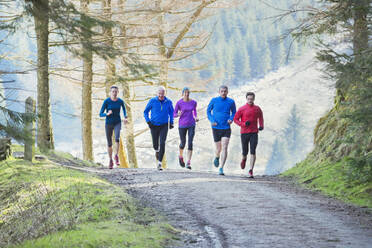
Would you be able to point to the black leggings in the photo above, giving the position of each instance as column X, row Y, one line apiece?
column 191, row 134
column 109, row 130
column 249, row 139
column 159, row 133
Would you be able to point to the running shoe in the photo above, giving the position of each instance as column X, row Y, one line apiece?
column 117, row 162
column 216, row 162
column 111, row 165
column 180, row 160
column 188, row 166
column 251, row 174
column 159, row 167
column 221, row 172
column 242, row 164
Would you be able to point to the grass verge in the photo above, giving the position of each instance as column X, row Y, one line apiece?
column 61, row 157
column 46, row 205
column 332, row 179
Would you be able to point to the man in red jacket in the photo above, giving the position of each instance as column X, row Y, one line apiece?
column 246, row 118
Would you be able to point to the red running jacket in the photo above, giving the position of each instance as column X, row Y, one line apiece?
column 249, row 113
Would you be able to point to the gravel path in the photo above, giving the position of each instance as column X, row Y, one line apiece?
column 233, row 211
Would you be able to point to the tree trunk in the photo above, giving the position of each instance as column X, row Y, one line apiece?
column 163, row 73
column 111, row 71
column 29, row 147
column 360, row 29
column 129, row 128
column 86, row 100
column 44, row 124
column 109, row 62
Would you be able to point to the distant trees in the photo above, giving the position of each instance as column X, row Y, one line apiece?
column 288, row 146
column 250, row 36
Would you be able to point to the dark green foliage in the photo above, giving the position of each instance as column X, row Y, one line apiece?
column 12, row 124
column 359, row 169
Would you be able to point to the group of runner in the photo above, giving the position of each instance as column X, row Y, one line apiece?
column 159, row 115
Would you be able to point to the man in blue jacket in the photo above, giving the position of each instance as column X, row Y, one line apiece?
column 162, row 110
column 221, row 111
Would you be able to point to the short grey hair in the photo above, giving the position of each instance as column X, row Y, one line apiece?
column 223, row 87
column 161, row 88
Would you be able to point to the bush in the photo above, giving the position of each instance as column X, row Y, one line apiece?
column 359, row 170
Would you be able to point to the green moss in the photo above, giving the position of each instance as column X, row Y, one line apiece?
column 331, row 179
column 45, row 205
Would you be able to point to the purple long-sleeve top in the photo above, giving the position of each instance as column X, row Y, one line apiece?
column 188, row 112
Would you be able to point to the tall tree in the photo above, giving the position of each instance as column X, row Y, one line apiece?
column 40, row 12
column 86, row 94
column 130, row 142
column 110, row 69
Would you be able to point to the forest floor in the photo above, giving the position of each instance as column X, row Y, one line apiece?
column 234, row 211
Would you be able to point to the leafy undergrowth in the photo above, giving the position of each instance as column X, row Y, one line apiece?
column 45, row 205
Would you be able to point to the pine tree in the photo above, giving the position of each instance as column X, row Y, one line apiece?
column 293, row 136
column 278, row 159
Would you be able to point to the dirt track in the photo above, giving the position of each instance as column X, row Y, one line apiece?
column 233, row 211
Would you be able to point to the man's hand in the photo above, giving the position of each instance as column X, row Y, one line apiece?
column 196, row 119
column 260, row 128
column 150, row 124
column 125, row 121
column 171, row 125
column 109, row 112
column 229, row 121
column 214, row 124
column 247, row 123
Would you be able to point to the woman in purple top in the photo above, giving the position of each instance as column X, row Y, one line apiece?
column 186, row 110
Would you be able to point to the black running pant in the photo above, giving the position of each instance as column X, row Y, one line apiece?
column 109, row 130
column 159, row 135
column 191, row 133
column 250, row 139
